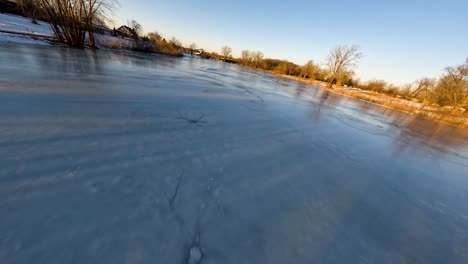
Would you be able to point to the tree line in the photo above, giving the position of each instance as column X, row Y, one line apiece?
column 451, row 89
column 72, row 22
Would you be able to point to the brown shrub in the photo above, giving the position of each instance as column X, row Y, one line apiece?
column 167, row 48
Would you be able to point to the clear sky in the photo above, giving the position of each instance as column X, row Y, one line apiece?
column 402, row 40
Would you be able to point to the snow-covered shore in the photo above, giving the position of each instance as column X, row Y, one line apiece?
column 21, row 25
column 18, row 29
column 24, row 25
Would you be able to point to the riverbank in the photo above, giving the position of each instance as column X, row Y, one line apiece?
column 447, row 115
column 20, row 30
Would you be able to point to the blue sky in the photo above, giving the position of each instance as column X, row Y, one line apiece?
column 402, row 40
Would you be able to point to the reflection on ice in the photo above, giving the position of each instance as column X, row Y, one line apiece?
column 116, row 157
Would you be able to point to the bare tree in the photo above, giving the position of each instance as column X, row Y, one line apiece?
column 176, row 43
column 154, row 36
column 246, row 58
column 252, row 59
column 341, row 59
column 257, row 58
column 136, row 27
column 226, row 51
column 345, row 77
column 29, row 9
column 309, row 70
column 376, row 85
column 424, row 88
column 407, row 91
column 71, row 19
column 192, row 48
column 66, row 20
column 95, row 12
column 452, row 88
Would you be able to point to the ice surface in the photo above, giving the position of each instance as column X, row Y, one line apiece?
column 195, row 255
column 132, row 158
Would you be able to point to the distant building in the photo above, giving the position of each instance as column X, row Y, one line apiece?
column 126, row 32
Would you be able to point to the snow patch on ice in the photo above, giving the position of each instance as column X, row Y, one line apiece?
column 195, row 255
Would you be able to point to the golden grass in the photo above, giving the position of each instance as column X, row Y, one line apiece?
column 453, row 117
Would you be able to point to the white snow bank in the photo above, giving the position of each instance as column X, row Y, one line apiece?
column 24, row 25
column 21, row 24
column 106, row 41
column 10, row 39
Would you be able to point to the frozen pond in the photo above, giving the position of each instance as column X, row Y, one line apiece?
column 130, row 158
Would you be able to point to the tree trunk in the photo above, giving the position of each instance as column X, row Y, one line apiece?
column 91, row 37
column 33, row 13
column 90, row 25
column 330, row 83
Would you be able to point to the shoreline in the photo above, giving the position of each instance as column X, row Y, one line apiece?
column 382, row 100
column 403, row 106
column 447, row 114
